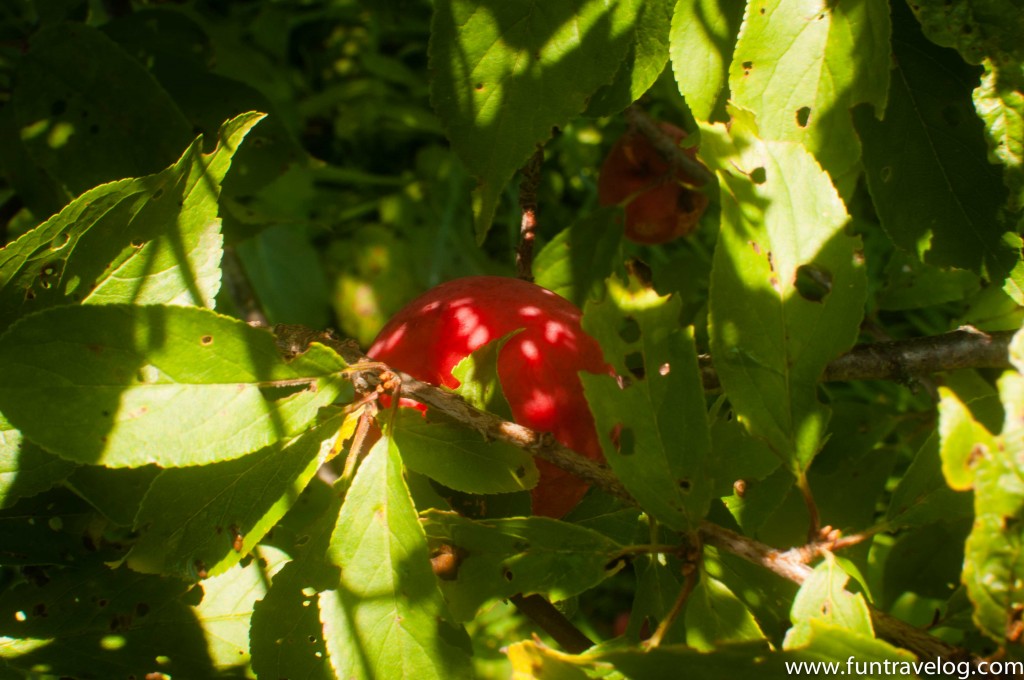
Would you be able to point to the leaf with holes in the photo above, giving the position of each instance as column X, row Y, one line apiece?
column 927, row 168
column 386, row 617
column 205, row 519
column 703, row 38
column 801, row 67
column 150, row 240
column 506, row 73
column 787, row 290
column 125, row 386
column 502, row 557
column 654, row 431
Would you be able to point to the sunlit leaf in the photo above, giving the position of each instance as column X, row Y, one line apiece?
column 129, row 386
column 506, row 73
column 780, row 213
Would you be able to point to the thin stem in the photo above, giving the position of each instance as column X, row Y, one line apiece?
column 689, row 584
column 552, row 622
column 528, row 206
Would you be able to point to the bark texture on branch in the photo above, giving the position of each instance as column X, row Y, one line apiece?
column 896, row 359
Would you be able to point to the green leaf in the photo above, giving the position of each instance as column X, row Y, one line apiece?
column 287, row 276
column 203, row 520
column 926, row 562
column 226, row 611
column 702, row 41
column 994, row 553
column 479, row 383
column 857, row 653
column 179, row 55
column 84, row 127
column 771, row 336
column 113, row 622
column 658, row 584
column 150, row 240
column 988, row 33
column 654, row 430
column 911, row 284
column 386, row 616
column 801, row 68
column 922, row 496
column 580, row 257
column 936, row 194
column 505, row 74
column 502, row 557
column 965, row 442
column 822, row 598
column 26, row 469
column 55, row 527
column 129, row 386
column 461, row 458
column 116, row 493
column 714, row 615
column 286, row 636
column 642, row 64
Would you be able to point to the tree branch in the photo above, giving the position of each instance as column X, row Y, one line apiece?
column 900, row 358
column 905, row 360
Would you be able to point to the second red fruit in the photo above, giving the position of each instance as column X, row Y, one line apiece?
column 659, row 208
column 537, row 367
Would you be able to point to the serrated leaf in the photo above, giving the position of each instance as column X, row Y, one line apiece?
column 287, row 276
column 800, row 67
column 83, row 128
column 823, row 598
column 286, row 634
column 771, row 335
column 129, row 386
column 965, row 443
column 226, row 611
column 859, row 653
column 479, row 383
column 200, row 521
column 703, row 37
column 116, row 493
column 988, row 33
column 654, row 431
column 922, row 495
column 658, row 584
column 714, row 616
column 26, row 469
column 50, row 528
column 386, row 617
column 581, row 256
column 149, row 240
column 461, row 458
column 994, row 553
column 113, row 622
column 502, row 557
column 936, row 194
column 494, row 66
column 926, row 562
column 642, row 64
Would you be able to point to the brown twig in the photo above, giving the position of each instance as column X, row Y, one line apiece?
column 904, row 360
column 528, row 206
column 790, row 564
column 553, row 622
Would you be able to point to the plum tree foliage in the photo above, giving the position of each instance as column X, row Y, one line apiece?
column 191, row 192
